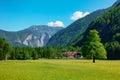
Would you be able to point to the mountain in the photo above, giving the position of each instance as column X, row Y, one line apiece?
column 69, row 34
column 116, row 3
column 34, row 36
column 74, row 32
column 108, row 26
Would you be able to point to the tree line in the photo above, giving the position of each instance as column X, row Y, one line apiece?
column 26, row 53
column 92, row 48
column 29, row 53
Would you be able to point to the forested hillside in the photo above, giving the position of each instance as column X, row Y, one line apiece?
column 69, row 34
column 108, row 26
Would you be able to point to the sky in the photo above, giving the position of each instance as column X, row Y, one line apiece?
column 17, row 15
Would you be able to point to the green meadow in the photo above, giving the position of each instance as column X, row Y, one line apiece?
column 59, row 70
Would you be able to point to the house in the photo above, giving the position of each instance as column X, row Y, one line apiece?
column 72, row 55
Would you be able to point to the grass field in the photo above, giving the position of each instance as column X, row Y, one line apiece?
column 59, row 70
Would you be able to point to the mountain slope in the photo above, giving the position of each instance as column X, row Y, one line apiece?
column 107, row 25
column 35, row 36
column 67, row 35
column 116, row 3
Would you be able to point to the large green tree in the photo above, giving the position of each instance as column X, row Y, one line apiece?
column 93, row 48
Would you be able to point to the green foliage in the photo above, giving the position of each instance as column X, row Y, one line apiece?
column 108, row 25
column 4, row 49
column 19, row 53
column 50, row 52
column 71, row 48
column 35, row 55
column 116, row 37
column 113, row 50
column 93, row 46
column 26, row 54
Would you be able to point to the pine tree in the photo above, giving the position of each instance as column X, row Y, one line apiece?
column 4, row 49
column 35, row 55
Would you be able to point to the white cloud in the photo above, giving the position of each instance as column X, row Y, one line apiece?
column 78, row 14
column 56, row 24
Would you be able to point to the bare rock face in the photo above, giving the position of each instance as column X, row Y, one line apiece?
column 34, row 36
column 39, row 40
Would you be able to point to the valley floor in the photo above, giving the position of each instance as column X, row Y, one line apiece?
column 60, row 70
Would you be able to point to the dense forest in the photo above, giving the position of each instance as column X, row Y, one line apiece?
column 26, row 53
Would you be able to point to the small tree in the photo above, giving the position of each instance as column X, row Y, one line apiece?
column 93, row 48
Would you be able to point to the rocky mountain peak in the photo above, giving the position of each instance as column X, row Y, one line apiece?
column 34, row 36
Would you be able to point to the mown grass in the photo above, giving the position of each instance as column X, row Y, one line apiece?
column 60, row 70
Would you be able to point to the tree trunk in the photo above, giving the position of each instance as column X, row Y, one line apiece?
column 5, row 56
column 93, row 58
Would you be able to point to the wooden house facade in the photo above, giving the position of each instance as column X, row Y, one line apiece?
column 72, row 55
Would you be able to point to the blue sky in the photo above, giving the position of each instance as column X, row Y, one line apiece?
column 20, row 14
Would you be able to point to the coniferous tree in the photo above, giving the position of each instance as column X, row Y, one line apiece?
column 35, row 55
column 4, row 49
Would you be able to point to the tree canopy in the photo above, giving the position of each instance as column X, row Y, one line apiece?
column 93, row 46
